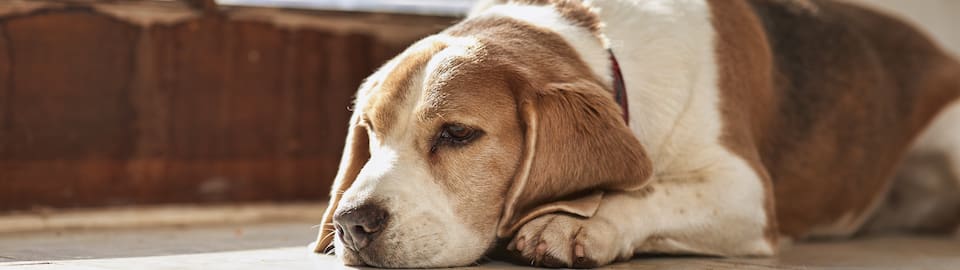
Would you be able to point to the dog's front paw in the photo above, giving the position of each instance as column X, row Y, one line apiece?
column 560, row 240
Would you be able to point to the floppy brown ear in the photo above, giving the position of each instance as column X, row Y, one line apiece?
column 576, row 147
column 356, row 152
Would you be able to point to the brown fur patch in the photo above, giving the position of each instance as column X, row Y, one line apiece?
column 830, row 103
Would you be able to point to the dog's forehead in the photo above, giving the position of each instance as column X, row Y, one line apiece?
column 388, row 89
column 419, row 82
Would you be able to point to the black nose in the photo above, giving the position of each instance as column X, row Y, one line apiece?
column 359, row 225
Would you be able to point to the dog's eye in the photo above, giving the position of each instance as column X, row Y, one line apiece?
column 456, row 132
column 454, row 135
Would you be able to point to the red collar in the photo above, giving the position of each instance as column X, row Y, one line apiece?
column 619, row 87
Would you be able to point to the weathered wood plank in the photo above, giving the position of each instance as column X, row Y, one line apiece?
column 69, row 106
column 113, row 104
column 5, row 87
column 71, row 86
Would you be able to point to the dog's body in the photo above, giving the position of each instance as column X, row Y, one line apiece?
column 747, row 120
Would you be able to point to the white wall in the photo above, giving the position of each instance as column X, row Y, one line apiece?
column 427, row 7
column 941, row 18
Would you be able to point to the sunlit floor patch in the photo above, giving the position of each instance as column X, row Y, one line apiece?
column 283, row 245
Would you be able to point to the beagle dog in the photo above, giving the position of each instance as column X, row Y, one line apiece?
column 578, row 133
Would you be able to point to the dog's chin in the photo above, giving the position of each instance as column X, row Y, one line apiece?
column 419, row 256
column 350, row 258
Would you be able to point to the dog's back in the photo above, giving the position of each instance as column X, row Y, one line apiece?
column 852, row 89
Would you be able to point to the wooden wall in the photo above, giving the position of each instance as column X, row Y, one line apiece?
column 146, row 102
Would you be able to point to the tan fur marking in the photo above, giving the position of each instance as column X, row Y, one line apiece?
column 838, row 116
column 393, row 90
column 355, row 154
column 569, row 105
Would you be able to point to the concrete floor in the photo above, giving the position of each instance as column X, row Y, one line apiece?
column 283, row 246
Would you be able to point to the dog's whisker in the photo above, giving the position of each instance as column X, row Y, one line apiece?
column 327, row 237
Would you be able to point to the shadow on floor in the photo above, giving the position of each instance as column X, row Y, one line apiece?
column 134, row 242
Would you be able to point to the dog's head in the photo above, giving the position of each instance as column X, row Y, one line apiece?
column 464, row 137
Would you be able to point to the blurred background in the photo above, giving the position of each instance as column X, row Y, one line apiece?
column 153, row 102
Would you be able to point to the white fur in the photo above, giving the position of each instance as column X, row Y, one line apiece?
column 706, row 200
column 665, row 50
column 720, row 214
column 943, row 135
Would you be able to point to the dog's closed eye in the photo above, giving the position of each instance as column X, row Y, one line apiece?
column 454, row 135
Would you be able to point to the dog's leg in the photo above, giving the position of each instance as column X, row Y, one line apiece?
column 925, row 195
column 715, row 210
